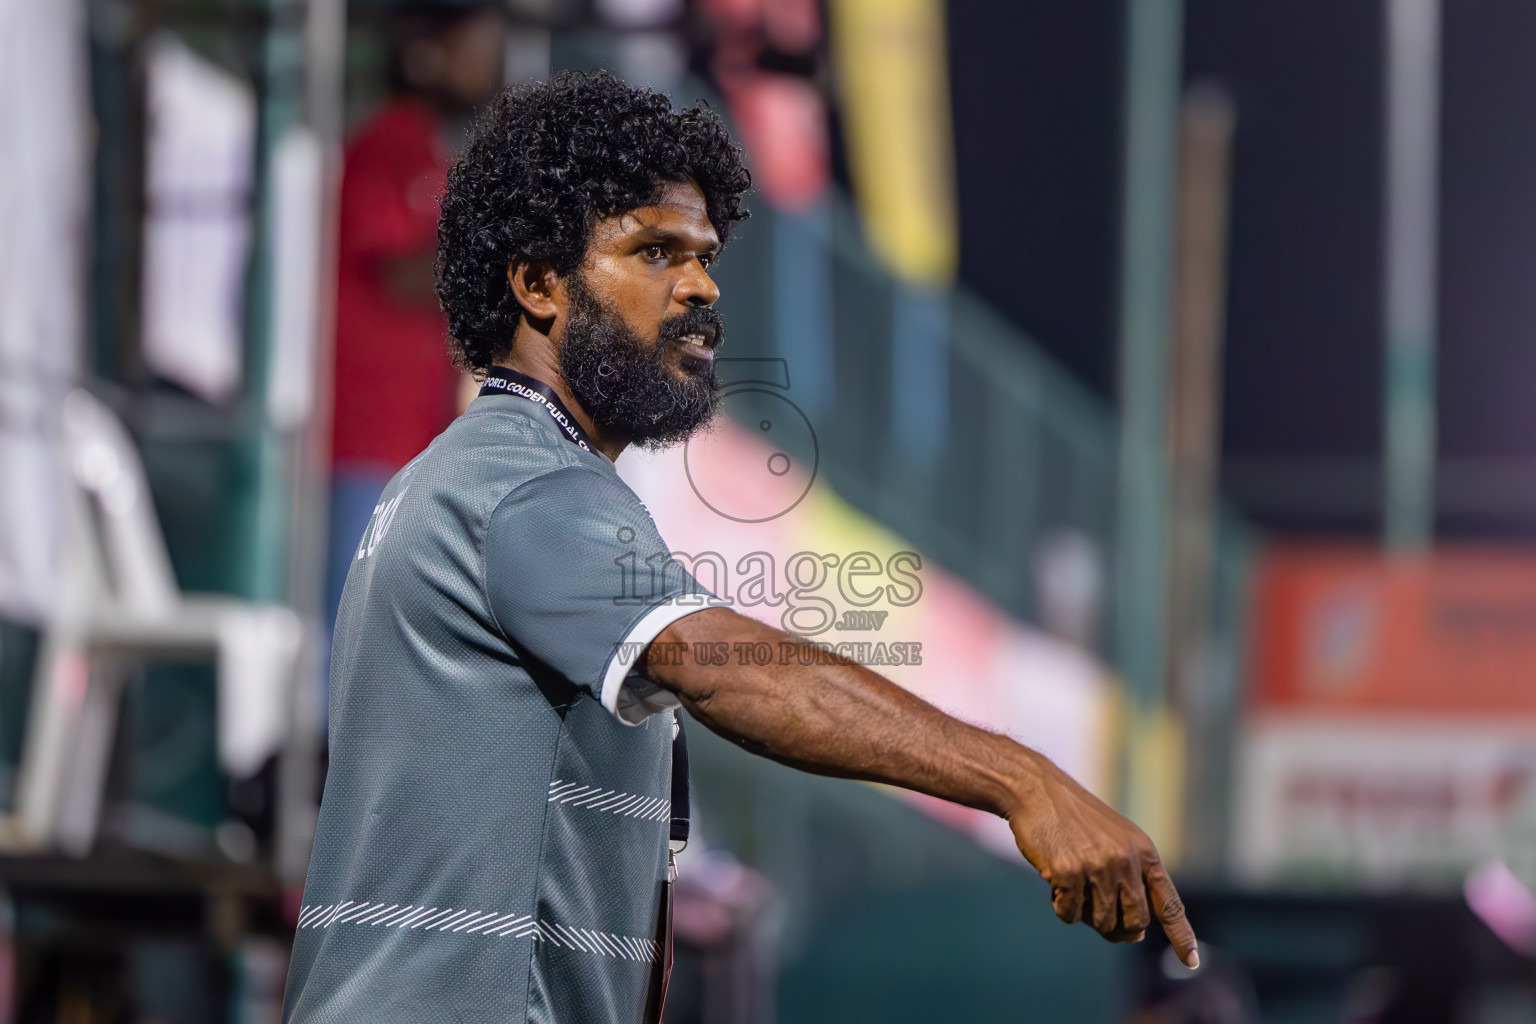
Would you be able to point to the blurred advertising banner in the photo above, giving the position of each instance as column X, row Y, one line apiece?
column 1384, row 801
column 746, row 513
column 1348, row 629
column 1392, row 737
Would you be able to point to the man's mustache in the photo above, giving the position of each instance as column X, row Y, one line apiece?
column 705, row 320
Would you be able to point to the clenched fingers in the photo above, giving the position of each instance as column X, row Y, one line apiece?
column 1105, row 898
column 1135, row 916
column 1115, row 903
column 1067, row 897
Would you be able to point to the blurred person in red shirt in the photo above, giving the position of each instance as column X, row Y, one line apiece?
column 394, row 390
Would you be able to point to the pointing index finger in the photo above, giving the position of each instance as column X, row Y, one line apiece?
column 1169, row 909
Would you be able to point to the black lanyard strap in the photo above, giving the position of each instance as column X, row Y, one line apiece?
column 501, row 381
column 680, row 805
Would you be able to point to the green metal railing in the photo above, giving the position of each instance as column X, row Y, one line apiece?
column 976, row 448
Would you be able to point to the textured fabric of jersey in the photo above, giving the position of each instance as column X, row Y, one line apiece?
column 492, row 837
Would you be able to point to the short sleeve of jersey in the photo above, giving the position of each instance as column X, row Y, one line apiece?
column 577, row 576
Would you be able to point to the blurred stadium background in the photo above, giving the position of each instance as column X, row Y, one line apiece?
column 1171, row 359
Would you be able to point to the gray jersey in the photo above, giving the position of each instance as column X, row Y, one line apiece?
column 492, row 841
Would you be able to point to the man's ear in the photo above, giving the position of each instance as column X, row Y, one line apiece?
column 534, row 285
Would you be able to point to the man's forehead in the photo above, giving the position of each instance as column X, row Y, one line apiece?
column 679, row 209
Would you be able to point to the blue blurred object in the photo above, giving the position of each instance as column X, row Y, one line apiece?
column 355, row 489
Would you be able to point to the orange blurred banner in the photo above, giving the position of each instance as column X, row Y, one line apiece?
column 1349, row 629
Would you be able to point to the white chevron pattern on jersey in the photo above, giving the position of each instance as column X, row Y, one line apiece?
column 480, row 922
column 593, row 798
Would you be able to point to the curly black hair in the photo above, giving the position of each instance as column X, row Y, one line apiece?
column 544, row 162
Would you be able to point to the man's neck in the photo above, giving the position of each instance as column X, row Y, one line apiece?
column 540, row 362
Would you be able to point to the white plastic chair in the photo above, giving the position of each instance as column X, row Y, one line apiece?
column 119, row 602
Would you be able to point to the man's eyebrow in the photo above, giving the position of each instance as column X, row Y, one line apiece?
column 653, row 235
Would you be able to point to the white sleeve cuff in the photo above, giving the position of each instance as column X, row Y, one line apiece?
column 631, row 697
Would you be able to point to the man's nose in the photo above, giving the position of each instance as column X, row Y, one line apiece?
column 696, row 287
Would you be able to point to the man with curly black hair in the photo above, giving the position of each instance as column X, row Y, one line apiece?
column 515, row 639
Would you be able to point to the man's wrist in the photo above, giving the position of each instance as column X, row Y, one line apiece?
column 1021, row 783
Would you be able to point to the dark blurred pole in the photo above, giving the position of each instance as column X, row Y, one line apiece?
column 325, row 56
column 1154, row 52
column 1205, row 157
column 1412, row 182
column 325, row 31
column 308, row 441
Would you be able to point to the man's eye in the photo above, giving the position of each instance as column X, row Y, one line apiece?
column 653, row 252
column 706, row 261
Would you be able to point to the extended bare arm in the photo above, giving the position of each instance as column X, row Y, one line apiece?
column 841, row 719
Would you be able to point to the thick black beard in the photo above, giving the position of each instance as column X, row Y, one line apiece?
column 625, row 385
